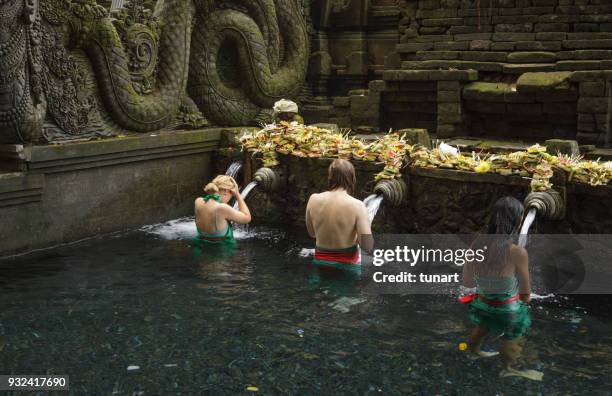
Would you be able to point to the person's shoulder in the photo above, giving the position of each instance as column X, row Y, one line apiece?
column 355, row 201
column 316, row 196
column 225, row 207
column 517, row 252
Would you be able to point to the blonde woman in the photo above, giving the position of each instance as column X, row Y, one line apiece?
column 213, row 214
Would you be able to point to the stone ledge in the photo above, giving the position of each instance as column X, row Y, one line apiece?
column 538, row 81
column 94, row 154
column 463, row 176
column 430, row 75
column 324, row 162
column 486, row 91
column 20, row 189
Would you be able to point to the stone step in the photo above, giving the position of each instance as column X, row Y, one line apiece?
column 528, row 67
column 589, row 36
column 455, row 64
column 430, row 75
column 587, row 44
column 514, row 68
column 404, row 48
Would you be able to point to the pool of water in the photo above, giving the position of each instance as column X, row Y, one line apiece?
column 141, row 312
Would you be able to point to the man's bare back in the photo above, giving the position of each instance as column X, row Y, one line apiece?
column 336, row 219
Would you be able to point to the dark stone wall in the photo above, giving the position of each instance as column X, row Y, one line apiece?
column 458, row 43
column 512, row 36
column 81, row 190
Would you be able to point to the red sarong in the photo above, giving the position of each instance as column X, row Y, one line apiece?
column 471, row 297
column 342, row 256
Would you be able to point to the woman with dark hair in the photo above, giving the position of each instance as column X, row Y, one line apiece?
column 503, row 288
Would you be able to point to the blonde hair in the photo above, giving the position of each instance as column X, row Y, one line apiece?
column 221, row 182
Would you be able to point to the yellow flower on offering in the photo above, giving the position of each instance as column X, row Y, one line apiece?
column 536, row 148
column 548, row 157
column 483, row 167
column 463, row 346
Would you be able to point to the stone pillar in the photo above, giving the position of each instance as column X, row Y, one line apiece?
column 594, row 112
column 365, row 106
column 450, row 110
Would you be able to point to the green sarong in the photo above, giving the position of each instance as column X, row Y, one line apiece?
column 511, row 320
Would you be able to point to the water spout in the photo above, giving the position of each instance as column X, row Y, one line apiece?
column 372, row 204
column 245, row 192
column 267, row 179
column 548, row 204
column 527, row 222
column 395, row 191
column 233, row 169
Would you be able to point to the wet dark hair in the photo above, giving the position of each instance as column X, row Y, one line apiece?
column 502, row 231
column 506, row 216
column 341, row 175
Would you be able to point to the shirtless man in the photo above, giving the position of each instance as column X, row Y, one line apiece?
column 337, row 221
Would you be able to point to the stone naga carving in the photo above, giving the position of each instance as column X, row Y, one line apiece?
column 69, row 70
column 267, row 39
column 22, row 107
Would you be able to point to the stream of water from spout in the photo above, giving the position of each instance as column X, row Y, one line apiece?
column 233, row 169
column 531, row 215
column 372, row 204
column 245, row 192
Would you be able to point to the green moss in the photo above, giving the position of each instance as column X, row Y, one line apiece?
column 484, row 145
column 532, row 57
column 486, row 91
column 543, row 81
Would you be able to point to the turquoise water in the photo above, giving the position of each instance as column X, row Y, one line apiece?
column 260, row 317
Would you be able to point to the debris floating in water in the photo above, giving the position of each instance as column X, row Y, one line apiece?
column 344, row 304
column 306, row 252
column 133, row 368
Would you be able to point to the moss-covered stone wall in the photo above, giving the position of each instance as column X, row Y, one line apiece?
column 468, row 43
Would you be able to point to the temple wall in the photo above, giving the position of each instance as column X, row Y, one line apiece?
column 504, row 39
column 75, row 191
column 462, row 44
